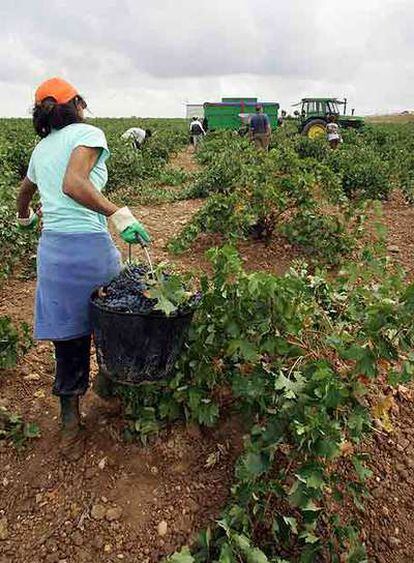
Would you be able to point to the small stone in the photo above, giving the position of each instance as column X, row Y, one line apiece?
column 393, row 542
column 393, row 248
column 83, row 556
column 102, row 463
column 162, row 528
column 98, row 511
column 104, row 500
column 385, row 511
column 410, row 462
column 90, row 472
column 113, row 514
column 108, row 548
column 377, row 492
column 154, row 470
column 77, row 539
column 404, row 443
column 193, row 506
column 32, row 377
column 4, row 530
column 120, row 556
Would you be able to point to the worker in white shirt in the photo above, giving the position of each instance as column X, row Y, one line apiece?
column 332, row 131
column 197, row 132
column 137, row 135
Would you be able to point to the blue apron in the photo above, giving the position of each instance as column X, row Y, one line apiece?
column 69, row 267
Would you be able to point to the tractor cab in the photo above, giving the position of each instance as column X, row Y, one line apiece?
column 314, row 112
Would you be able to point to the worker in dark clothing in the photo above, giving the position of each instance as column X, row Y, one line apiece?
column 260, row 129
column 281, row 119
column 197, row 132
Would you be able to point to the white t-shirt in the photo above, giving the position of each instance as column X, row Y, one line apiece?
column 135, row 133
column 47, row 168
column 196, row 125
column 332, row 130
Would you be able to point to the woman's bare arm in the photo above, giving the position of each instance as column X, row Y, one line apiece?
column 77, row 185
column 24, row 197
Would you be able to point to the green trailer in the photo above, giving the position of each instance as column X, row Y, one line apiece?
column 234, row 113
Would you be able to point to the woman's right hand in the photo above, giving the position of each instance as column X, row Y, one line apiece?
column 29, row 222
column 130, row 229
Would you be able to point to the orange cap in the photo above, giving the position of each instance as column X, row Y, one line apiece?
column 56, row 88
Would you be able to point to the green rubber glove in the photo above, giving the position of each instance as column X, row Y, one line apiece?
column 136, row 233
column 28, row 223
column 130, row 229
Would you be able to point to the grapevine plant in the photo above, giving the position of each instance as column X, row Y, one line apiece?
column 260, row 194
column 296, row 356
column 13, row 343
column 313, row 196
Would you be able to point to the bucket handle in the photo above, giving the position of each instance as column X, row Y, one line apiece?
column 144, row 247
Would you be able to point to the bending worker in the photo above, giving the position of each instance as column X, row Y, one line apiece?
column 137, row 135
column 260, row 129
column 76, row 253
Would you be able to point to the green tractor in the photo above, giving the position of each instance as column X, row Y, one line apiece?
column 314, row 115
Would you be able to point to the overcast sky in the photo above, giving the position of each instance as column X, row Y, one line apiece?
column 147, row 58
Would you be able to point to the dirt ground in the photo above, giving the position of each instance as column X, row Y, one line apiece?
column 398, row 218
column 387, row 518
column 126, row 502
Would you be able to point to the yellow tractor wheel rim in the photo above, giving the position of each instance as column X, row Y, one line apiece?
column 316, row 130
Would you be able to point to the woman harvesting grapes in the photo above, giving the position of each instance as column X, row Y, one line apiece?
column 76, row 253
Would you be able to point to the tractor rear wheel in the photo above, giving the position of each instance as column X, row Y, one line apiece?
column 314, row 128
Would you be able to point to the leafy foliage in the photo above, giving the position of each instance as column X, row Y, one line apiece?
column 14, row 159
column 259, row 194
column 303, row 190
column 169, row 291
column 12, row 344
column 296, row 354
column 12, row 428
column 364, row 174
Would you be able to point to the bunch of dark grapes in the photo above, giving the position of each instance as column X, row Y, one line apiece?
column 126, row 293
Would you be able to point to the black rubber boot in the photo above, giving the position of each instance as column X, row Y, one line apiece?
column 72, row 441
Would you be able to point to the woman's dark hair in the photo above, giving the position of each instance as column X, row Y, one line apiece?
column 50, row 115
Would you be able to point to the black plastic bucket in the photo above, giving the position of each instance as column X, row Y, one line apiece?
column 132, row 348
